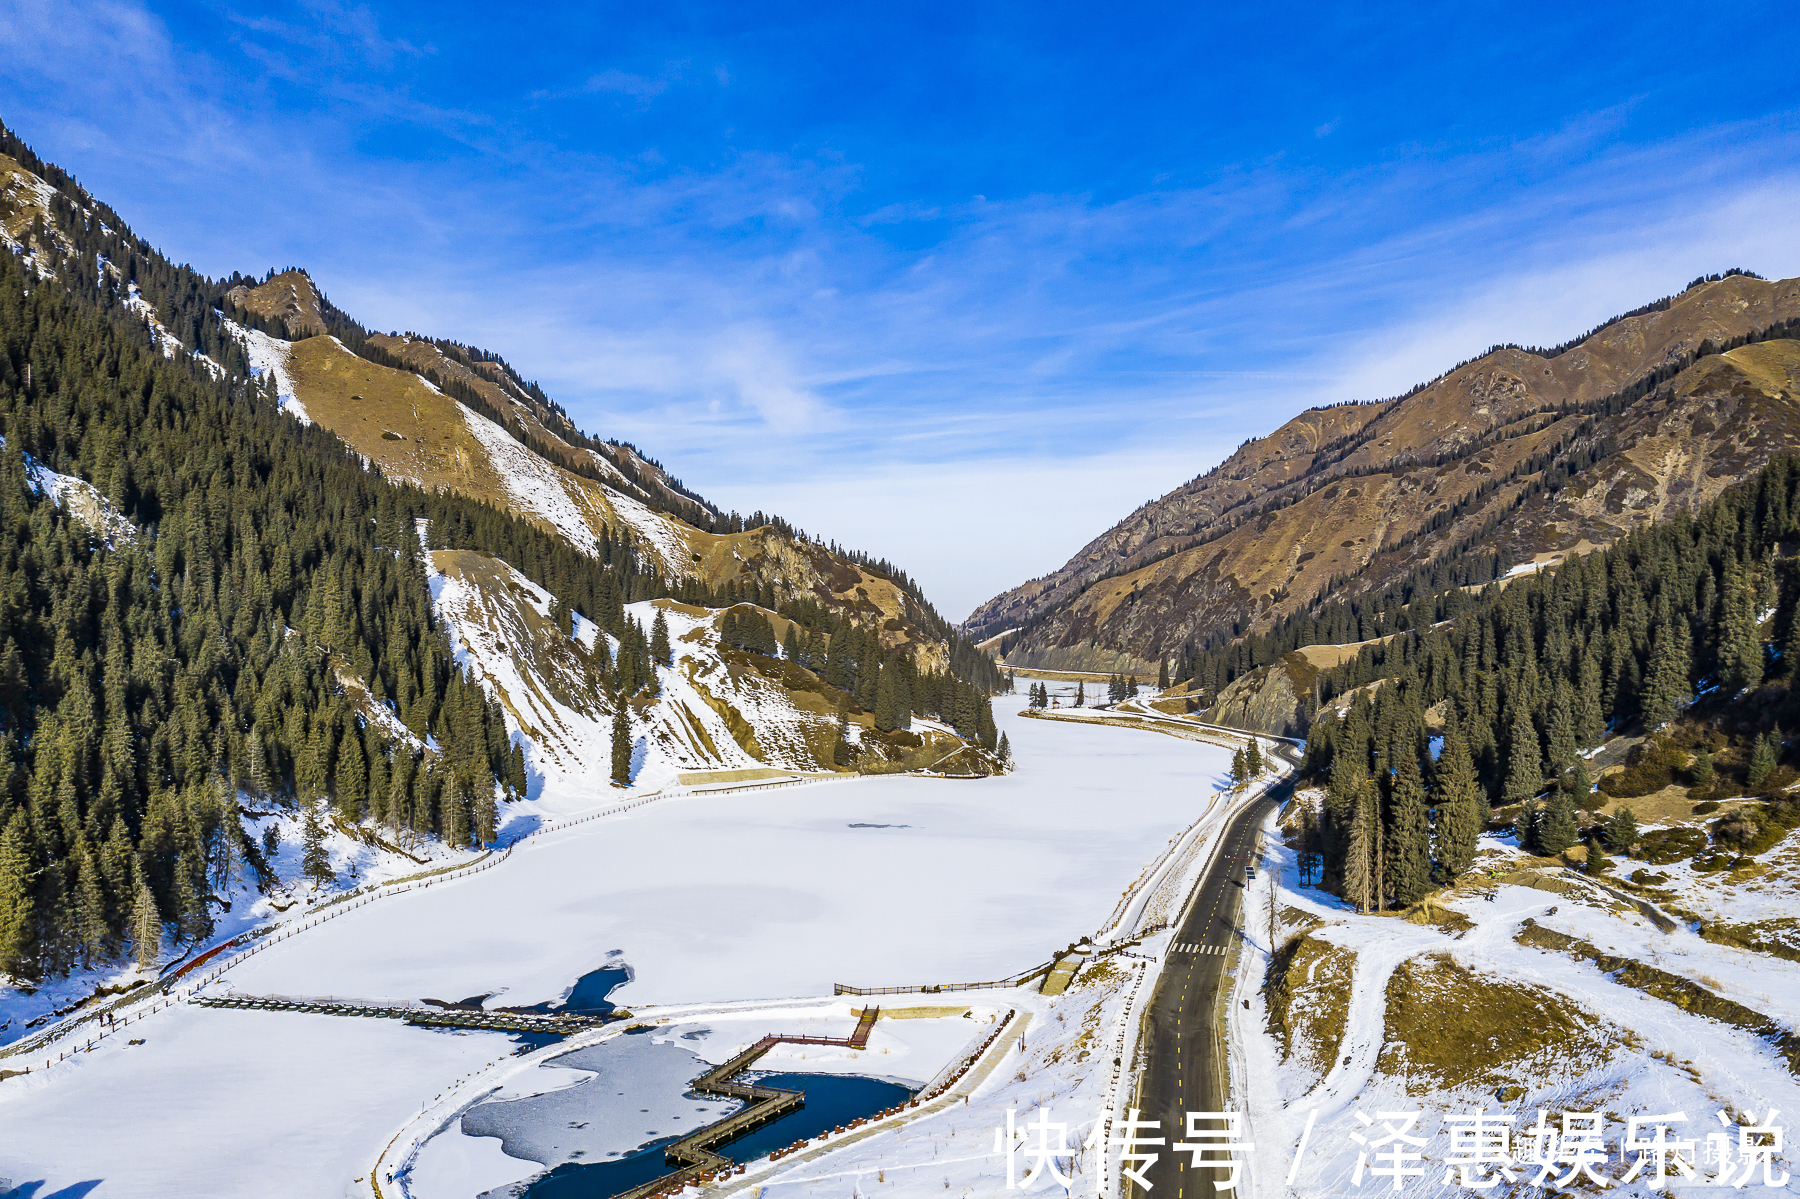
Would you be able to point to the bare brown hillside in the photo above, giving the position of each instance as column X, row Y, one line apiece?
column 1342, row 498
column 412, row 430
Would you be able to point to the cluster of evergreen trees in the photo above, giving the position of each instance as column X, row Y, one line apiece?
column 232, row 649
column 144, row 683
column 1120, row 687
column 1536, row 672
column 752, row 632
column 1246, row 763
column 1040, row 695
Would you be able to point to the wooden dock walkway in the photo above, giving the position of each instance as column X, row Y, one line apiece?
column 694, row 1156
column 430, row 1017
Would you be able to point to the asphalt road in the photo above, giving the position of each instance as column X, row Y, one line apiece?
column 1185, row 1068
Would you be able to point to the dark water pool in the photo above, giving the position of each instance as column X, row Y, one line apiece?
column 588, row 996
column 831, row 1100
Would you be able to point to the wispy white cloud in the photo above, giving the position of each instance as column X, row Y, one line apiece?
column 973, row 388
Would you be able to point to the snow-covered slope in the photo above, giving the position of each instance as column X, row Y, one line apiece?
column 1478, row 1009
column 717, row 710
column 82, row 499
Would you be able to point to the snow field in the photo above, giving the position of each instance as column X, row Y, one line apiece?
column 629, row 1089
column 721, row 897
column 711, row 898
column 1730, row 1068
column 220, row 1102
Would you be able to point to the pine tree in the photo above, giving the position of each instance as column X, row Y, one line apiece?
column 1527, row 824
column 1004, row 753
column 1253, row 759
column 456, row 822
column 18, row 950
column 1524, row 760
column 1578, row 784
column 1461, row 808
column 1763, row 759
column 886, row 717
column 1667, row 686
column 1162, row 675
column 621, row 747
column 1557, row 831
column 1562, row 746
column 1597, row 862
column 1081, row 693
column 486, row 816
column 1359, row 881
column 659, row 639
column 146, row 928
column 91, row 931
column 1409, row 836
column 314, row 862
column 1621, row 830
column 1240, row 767
column 1702, row 769
column 1740, row 646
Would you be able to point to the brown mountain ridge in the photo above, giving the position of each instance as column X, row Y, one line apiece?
column 1533, row 453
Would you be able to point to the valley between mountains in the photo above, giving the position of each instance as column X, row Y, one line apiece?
column 404, row 792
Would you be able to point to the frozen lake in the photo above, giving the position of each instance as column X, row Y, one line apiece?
column 762, row 894
column 879, row 881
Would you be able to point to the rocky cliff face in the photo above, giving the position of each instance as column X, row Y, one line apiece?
column 1514, row 449
column 1277, row 698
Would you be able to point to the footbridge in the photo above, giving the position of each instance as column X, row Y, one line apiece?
column 561, row 1025
column 694, row 1156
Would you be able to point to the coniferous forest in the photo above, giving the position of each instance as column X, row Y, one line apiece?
column 1532, row 674
column 152, row 681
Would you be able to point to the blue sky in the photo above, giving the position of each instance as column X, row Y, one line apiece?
column 959, row 285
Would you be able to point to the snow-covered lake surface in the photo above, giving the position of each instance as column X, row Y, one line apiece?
column 710, row 898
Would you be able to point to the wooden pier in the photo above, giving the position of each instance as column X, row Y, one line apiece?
column 693, row 1155
column 428, row 1017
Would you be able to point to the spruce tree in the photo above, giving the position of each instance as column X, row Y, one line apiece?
column 1162, row 675
column 1667, row 686
column 457, row 814
column 1253, row 759
column 146, row 928
column 1409, row 836
column 1740, row 645
column 314, row 862
column 1621, row 830
column 1004, row 753
column 1557, row 831
column 1527, row 824
column 1461, row 808
column 18, row 949
column 1524, row 760
column 659, row 639
column 1359, row 880
column 885, row 718
column 1763, row 759
column 621, row 747
column 1702, row 769
column 1562, row 745
column 91, row 931
column 486, row 816
column 1081, row 693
